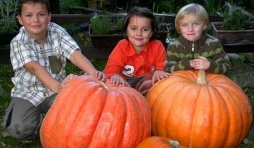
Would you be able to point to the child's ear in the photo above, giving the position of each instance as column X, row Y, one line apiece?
column 204, row 27
column 151, row 34
column 20, row 20
column 49, row 17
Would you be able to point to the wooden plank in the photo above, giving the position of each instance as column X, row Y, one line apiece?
column 93, row 53
column 85, row 18
column 239, row 48
column 72, row 18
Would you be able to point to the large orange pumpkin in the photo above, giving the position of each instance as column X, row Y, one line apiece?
column 159, row 142
column 209, row 112
column 88, row 113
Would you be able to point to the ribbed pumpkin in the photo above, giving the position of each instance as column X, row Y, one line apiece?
column 88, row 113
column 200, row 110
column 159, row 142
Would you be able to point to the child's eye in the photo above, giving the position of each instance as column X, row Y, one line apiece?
column 197, row 23
column 28, row 15
column 133, row 29
column 42, row 14
column 144, row 29
column 184, row 25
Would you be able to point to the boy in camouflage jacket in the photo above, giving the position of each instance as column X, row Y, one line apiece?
column 194, row 49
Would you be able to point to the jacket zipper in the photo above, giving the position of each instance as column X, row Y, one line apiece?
column 192, row 50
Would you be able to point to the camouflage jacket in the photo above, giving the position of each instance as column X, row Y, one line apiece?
column 180, row 51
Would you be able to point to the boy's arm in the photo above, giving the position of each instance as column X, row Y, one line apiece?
column 78, row 59
column 43, row 75
column 175, row 62
column 220, row 62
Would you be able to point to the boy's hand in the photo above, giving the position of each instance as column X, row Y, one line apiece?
column 66, row 80
column 100, row 75
column 200, row 63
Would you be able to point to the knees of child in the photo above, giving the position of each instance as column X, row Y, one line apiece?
column 24, row 130
column 20, row 131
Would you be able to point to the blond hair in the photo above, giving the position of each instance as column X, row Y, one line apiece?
column 192, row 8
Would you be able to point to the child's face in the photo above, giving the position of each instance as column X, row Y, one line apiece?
column 139, row 32
column 35, row 18
column 191, row 28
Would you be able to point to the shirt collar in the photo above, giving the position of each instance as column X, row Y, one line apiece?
column 197, row 43
column 131, row 51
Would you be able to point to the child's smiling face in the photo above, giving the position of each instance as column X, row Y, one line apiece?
column 139, row 32
column 35, row 18
column 191, row 28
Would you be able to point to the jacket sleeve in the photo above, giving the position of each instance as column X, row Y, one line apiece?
column 220, row 62
column 176, row 60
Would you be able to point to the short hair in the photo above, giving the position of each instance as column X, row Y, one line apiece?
column 141, row 12
column 46, row 2
column 192, row 8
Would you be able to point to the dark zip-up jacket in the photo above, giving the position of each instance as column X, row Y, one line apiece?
column 181, row 51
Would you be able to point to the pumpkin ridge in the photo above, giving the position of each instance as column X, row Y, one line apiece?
column 232, row 111
column 201, row 117
column 239, row 96
column 77, row 99
column 221, row 109
column 88, row 113
column 218, row 120
column 85, row 99
column 54, row 112
column 132, row 117
column 238, row 112
column 145, row 110
column 109, row 119
column 156, row 111
column 189, row 108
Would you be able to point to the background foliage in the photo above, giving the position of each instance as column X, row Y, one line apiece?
column 166, row 6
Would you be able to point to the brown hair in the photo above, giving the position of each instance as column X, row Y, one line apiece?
column 46, row 2
column 141, row 12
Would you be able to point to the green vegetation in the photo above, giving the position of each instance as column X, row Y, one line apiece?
column 8, row 12
column 106, row 25
column 101, row 25
column 234, row 17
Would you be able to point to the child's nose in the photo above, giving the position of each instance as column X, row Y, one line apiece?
column 35, row 18
column 139, row 32
column 190, row 27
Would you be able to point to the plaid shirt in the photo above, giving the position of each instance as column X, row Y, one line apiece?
column 23, row 49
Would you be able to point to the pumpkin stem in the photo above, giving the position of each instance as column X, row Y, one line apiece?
column 174, row 143
column 103, row 84
column 201, row 77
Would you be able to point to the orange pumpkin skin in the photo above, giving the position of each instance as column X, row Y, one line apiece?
column 89, row 113
column 157, row 142
column 213, row 115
